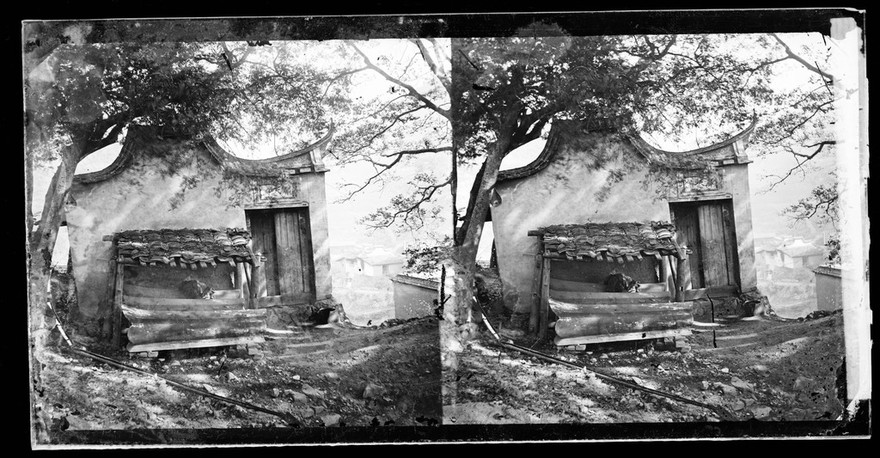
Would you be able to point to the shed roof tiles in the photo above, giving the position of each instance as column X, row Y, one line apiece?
column 184, row 247
column 611, row 241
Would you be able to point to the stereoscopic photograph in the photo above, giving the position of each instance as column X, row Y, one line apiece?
column 446, row 229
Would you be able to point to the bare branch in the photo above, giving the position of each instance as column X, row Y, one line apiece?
column 439, row 70
column 800, row 162
column 819, row 109
column 411, row 90
column 419, row 151
column 801, row 60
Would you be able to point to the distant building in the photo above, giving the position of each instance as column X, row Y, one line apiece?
column 768, row 256
column 382, row 264
column 378, row 262
column 801, row 254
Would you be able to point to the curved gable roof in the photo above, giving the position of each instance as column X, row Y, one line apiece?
column 727, row 152
column 305, row 160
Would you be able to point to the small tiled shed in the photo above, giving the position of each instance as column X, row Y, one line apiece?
column 571, row 267
column 162, row 183
column 182, row 288
column 594, row 172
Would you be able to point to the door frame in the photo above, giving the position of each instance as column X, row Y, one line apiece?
column 307, row 297
column 690, row 207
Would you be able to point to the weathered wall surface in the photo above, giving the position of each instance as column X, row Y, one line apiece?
column 313, row 193
column 601, row 178
column 829, row 288
column 575, row 188
column 146, row 196
column 413, row 298
column 736, row 182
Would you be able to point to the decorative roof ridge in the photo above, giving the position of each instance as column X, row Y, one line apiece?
column 540, row 162
column 222, row 155
column 743, row 134
column 138, row 133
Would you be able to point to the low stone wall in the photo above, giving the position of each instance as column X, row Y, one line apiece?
column 829, row 288
column 414, row 297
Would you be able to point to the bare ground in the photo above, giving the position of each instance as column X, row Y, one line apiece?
column 757, row 368
column 329, row 377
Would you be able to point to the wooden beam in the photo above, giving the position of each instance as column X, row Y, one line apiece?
column 116, row 312
column 543, row 320
column 283, row 300
column 161, row 331
column 159, row 303
column 536, row 293
column 615, row 298
column 562, row 342
column 595, row 325
column 196, row 344
column 565, row 309
column 239, row 279
column 714, row 291
column 136, row 314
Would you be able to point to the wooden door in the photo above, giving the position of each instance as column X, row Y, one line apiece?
column 284, row 238
column 712, row 244
column 686, row 223
column 708, row 228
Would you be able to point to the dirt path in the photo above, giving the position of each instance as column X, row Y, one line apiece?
column 764, row 369
column 324, row 377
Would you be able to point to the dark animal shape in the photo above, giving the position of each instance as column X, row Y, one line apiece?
column 196, row 289
column 620, row 283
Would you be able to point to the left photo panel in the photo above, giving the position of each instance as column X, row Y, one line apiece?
column 235, row 237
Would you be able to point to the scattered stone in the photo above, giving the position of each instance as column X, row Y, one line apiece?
column 310, row 391
column 512, row 333
column 738, row 405
column 231, row 377
column 331, row 419
column 760, row 411
column 726, row 389
column 803, row 383
column 275, row 392
column 175, row 363
column 741, row 384
column 725, row 370
column 373, row 391
column 749, row 402
column 705, row 385
column 296, row 377
column 329, row 375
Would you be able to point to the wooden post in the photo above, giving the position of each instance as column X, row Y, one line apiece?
column 545, row 298
column 536, row 294
column 664, row 275
column 116, row 312
column 683, row 279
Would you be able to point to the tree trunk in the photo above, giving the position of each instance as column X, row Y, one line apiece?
column 41, row 243
column 459, row 325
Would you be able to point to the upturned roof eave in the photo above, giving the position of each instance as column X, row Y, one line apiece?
column 249, row 167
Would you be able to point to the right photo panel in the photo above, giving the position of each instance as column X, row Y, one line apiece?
column 656, row 228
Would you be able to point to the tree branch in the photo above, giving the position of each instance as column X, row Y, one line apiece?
column 801, row 162
column 419, row 151
column 439, row 70
column 801, row 60
column 411, row 90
